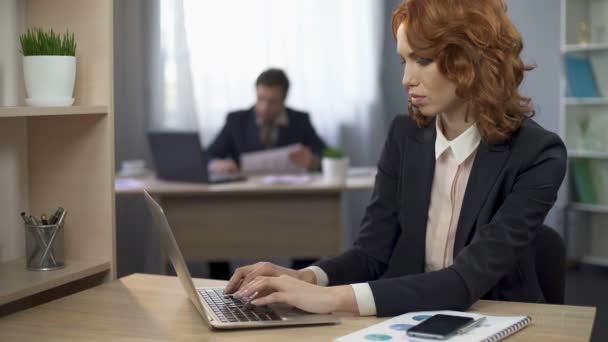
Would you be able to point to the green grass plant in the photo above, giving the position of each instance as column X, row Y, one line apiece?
column 37, row 42
column 333, row 153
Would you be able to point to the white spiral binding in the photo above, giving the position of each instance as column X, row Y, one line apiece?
column 509, row 330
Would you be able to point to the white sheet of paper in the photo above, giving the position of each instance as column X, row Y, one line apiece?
column 128, row 183
column 275, row 160
column 286, row 179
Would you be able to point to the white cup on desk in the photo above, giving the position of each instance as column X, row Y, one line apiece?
column 334, row 170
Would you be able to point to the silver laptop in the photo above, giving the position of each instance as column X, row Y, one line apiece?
column 224, row 311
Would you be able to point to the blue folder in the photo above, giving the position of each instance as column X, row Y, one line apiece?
column 581, row 81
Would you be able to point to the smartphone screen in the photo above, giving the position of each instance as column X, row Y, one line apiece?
column 439, row 326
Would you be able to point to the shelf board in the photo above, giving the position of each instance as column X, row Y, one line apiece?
column 595, row 260
column 17, row 282
column 568, row 48
column 587, row 154
column 8, row 112
column 592, row 208
column 586, row 101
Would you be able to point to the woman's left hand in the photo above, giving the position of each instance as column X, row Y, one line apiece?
column 298, row 293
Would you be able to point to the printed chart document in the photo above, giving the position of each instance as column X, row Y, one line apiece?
column 493, row 328
column 270, row 161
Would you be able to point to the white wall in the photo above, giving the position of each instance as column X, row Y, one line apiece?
column 538, row 22
column 13, row 157
column 11, row 18
column 13, row 182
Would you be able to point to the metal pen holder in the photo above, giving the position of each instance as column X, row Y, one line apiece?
column 44, row 246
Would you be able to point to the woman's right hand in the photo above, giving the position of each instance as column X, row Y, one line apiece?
column 246, row 274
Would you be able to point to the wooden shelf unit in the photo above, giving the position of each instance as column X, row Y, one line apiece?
column 10, row 112
column 590, row 208
column 587, row 154
column 20, row 283
column 582, row 121
column 595, row 260
column 62, row 156
column 586, row 101
column 572, row 48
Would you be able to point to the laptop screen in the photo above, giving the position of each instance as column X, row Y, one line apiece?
column 172, row 249
column 178, row 156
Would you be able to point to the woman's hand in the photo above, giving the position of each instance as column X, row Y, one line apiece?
column 246, row 274
column 301, row 294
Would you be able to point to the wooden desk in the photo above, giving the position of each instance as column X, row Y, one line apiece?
column 155, row 308
column 251, row 219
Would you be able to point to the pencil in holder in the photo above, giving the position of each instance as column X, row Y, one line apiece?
column 44, row 246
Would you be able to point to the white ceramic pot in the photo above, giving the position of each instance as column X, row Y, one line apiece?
column 334, row 170
column 49, row 80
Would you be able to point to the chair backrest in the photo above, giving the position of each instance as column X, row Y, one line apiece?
column 551, row 264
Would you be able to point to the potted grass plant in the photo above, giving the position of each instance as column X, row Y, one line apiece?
column 49, row 67
column 334, row 165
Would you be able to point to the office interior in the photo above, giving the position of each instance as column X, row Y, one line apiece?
column 157, row 53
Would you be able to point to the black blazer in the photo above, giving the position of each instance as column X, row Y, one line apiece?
column 511, row 188
column 242, row 134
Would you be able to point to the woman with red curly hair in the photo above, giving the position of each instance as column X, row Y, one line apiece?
column 463, row 185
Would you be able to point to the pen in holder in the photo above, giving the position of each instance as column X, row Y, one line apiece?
column 44, row 242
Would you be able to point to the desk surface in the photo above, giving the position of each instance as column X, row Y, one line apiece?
column 359, row 178
column 155, row 308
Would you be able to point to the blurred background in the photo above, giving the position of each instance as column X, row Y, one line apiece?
column 182, row 65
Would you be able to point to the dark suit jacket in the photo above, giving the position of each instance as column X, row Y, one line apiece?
column 242, row 134
column 511, row 188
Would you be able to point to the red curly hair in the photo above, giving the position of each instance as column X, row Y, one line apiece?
column 476, row 46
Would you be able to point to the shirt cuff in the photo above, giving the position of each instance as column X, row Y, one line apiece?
column 322, row 279
column 365, row 299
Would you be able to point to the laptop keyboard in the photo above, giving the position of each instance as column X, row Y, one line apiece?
column 230, row 309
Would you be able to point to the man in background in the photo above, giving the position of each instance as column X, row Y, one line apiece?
column 269, row 124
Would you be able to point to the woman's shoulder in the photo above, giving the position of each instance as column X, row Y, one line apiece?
column 404, row 126
column 531, row 139
column 532, row 132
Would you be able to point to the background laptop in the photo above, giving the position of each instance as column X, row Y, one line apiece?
column 178, row 156
column 219, row 310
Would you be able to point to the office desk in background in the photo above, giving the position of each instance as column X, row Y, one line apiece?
column 155, row 308
column 250, row 219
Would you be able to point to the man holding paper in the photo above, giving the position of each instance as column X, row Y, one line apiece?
column 268, row 125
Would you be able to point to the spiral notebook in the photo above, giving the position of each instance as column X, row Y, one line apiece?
column 494, row 328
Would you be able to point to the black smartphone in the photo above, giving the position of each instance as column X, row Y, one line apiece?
column 439, row 327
